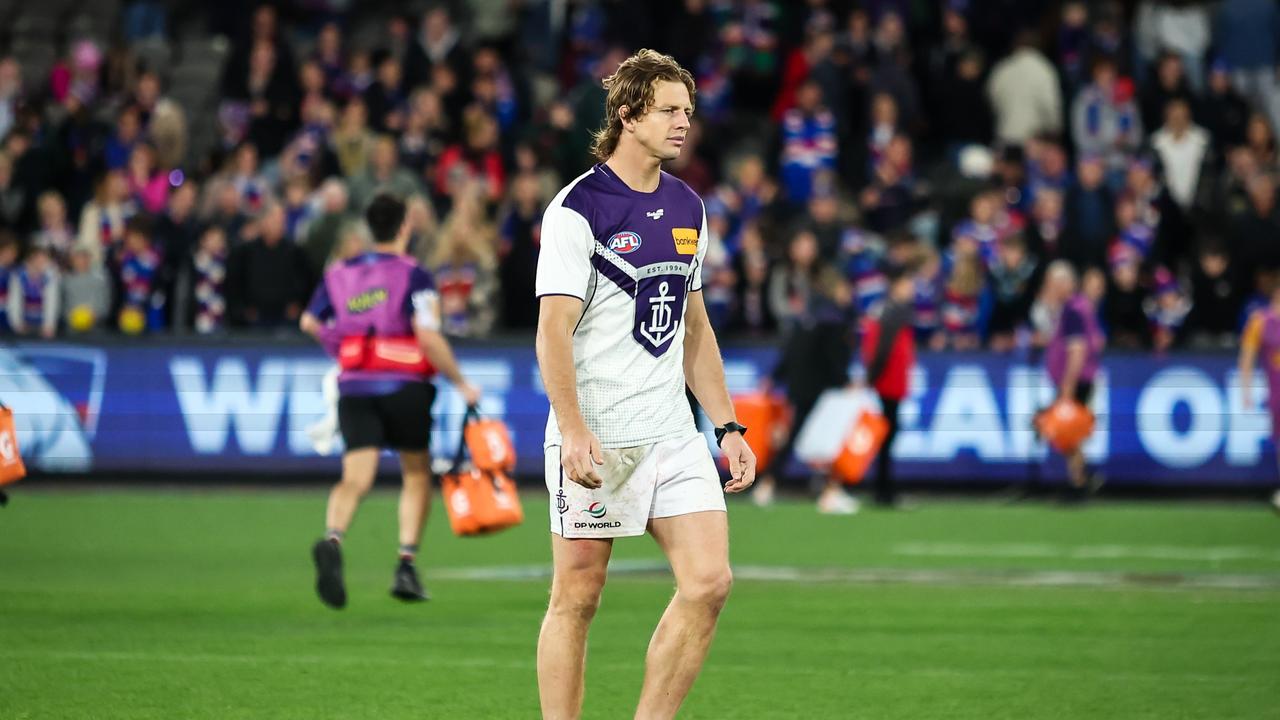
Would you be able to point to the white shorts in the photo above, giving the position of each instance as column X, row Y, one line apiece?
column 672, row 477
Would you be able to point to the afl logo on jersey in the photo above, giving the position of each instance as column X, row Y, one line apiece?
column 624, row 242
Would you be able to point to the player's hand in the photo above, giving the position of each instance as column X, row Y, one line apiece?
column 580, row 456
column 470, row 393
column 742, row 463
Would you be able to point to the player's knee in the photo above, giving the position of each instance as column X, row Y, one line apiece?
column 578, row 597
column 356, row 484
column 710, row 588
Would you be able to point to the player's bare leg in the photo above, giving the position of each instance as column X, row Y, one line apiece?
column 1076, row 469
column 697, row 546
column 415, row 501
column 579, row 571
column 358, row 470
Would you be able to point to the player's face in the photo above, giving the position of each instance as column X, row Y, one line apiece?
column 662, row 130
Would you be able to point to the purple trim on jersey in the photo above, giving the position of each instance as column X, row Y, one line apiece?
column 666, row 225
column 558, row 294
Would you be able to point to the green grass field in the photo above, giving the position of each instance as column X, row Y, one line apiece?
column 167, row 604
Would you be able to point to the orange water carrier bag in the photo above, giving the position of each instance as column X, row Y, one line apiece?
column 480, row 501
column 11, row 467
column 489, row 443
column 1065, row 425
column 861, row 445
column 766, row 415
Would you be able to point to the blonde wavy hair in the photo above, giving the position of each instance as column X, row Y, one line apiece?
column 631, row 87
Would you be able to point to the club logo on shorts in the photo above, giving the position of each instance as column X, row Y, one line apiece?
column 624, row 242
column 562, row 502
column 596, row 510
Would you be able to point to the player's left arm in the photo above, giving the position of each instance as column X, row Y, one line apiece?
column 704, row 374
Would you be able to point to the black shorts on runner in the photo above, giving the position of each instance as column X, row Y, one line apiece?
column 399, row 421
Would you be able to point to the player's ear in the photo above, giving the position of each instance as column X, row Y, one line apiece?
column 624, row 114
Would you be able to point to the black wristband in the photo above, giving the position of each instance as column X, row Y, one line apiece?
column 728, row 428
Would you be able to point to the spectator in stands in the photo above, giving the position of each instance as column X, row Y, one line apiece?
column 246, row 177
column 425, row 134
column 808, row 143
column 1089, row 217
column 55, row 232
column 298, row 208
column 929, row 284
column 128, row 133
column 1045, row 226
column 148, row 184
column 102, row 220
column 1223, row 112
column 438, row 43
column 1159, row 211
column 309, row 153
column 10, row 92
column 267, row 277
column 138, row 279
column 1046, row 166
column 477, row 159
column 328, row 54
column 1184, row 149
column 1105, row 119
column 1167, row 309
column 1168, row 82
column 384, row 174
column 86, row 292
column 164, row 121
column 1024, row 93
column 1133, row 230
column 464, row 266
column 35, row 294
column 979, row 229
column 322, row 233
column 1256, row 232
column 1014, row 280
column 963, row 297
column 1262, row 142
column 1179, row 29
column 753, row 312
column 222, row 203
column 386, row 99
column 204, row 284
column 519, row 235
column 884, row 127
column 1122, row 312
column 890, row 198
column 9, row 268
column 1217, row 297
column 1247, row 35
column 964, row 112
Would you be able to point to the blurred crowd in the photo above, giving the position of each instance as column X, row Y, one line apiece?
column 973, row 140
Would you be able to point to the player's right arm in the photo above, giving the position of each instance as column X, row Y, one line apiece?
column 1249, row 343
column 564, row 271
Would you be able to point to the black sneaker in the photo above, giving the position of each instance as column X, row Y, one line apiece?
column 329, row 586
column 407, row 586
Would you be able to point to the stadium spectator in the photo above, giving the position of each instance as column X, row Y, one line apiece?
column 962, row 309
column 385, row 99
column 425, row 134
column 1122, row 311
column 137, row 268
column 55, row 232
column 10, row 93
column 1024, row 93
column 9, row 269
column 267, row 277
column 86, row 293
column 1014, row 281
column 222, row 200
column 1184, row 150
column 1105, row 119
column 753, row 312
column 148, row 184
column 353, row 141
column 890, row 198
column 438, row 43
column 298, row 208
column 102, row 219
column 322, row 236
column 246, row 176
column 1088, row 214
column 519, row 232
column 463, row 264
column 476, row 159
column 164, row 121
column 964, row 112
column 1167, row 308
column 202, row 294
column 1256, row 232
column 384, row 174
column 1217, row 297
column 809, row 143
column 1223, row 111
column 35, row 294
column 1261, row 141
column 1045, row 226
column 929, row 283
column 1181, row 29
column 1168, row 82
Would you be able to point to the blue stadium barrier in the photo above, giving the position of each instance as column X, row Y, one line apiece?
column 178, row 405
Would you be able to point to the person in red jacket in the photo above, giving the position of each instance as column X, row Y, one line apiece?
column 888, row 352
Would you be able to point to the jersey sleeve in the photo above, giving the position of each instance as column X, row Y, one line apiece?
column 564, row 261
column 1251, row 340
column 699, row 259
column 422, row 302
column 321, row 306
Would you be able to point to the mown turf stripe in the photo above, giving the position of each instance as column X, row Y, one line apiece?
column 1209, row 553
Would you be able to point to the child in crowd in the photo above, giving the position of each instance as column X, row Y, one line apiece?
column 34, row 295
column 86, row 292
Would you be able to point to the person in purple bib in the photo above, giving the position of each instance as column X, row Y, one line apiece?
column 379, row 314
column 1072, row 358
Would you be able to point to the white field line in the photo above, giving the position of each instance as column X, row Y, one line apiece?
column 1202, row 553
column 1023, row 578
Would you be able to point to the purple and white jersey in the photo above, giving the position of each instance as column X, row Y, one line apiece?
column 632, row 258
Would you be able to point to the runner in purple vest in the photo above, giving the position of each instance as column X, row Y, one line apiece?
column 379, row 312
column 1072, row 358
column 1261, row 341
